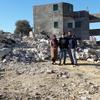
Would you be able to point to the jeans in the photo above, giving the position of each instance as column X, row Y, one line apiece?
column 62, row 55
column 72, row 55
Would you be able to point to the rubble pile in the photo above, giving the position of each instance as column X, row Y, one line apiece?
column 37, row 48
column 6, row 45
column 27, row 50
column 88, row 54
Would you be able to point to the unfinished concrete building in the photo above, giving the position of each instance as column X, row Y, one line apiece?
column 60, row 17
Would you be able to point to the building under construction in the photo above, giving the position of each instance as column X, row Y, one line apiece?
column 60, row 17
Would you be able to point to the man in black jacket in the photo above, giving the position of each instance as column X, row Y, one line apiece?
column 72, row 48
column 63, row 45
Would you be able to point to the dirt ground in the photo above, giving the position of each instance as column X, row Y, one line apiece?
column 44, row 81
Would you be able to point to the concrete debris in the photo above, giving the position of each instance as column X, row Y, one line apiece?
column 88, row 54
column 93, row 89
column 36, row 48
column 45, row 81
column 50, row 71
column 22, row 78
column 84, row 98
column 4, row 51
column 63, row 75
column 26, row 50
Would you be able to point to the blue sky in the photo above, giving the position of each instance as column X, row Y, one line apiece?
column 13, row 10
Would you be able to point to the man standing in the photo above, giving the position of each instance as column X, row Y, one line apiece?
column 63, row 45
column 72, row 47
column 54, row 48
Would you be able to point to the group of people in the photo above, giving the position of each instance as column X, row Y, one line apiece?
column 67, row 43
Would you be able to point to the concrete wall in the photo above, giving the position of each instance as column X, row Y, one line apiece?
column 42, row 18
column 67, row 20
column 45, row 16
column 67, row 8
column 83, row 31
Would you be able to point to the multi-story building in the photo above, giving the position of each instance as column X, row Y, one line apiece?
column 60, row 17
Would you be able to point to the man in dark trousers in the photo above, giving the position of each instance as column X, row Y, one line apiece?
column 72, row 47
column 63, row 45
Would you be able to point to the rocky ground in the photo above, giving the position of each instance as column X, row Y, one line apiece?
column 26, row 72
column 44, row 81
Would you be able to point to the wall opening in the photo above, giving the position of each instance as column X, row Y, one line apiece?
column 78, row 24
column 55, row 24
column 55, row 7
column 95, row 26
column 70, row 25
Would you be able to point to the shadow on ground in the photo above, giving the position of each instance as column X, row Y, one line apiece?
column 85, row 64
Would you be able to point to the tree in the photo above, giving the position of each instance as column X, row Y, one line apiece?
column 22, row 27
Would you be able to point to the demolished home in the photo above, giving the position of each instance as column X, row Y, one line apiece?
column 60, row 17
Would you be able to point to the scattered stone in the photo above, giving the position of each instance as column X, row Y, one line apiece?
column 63, row 75
column 85, row 98
column 93, row 89
column 63, row 85
column 88, row 54
column 49, row 71
column 27, row 78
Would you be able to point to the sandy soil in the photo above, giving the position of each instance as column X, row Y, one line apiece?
column 51, row 82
